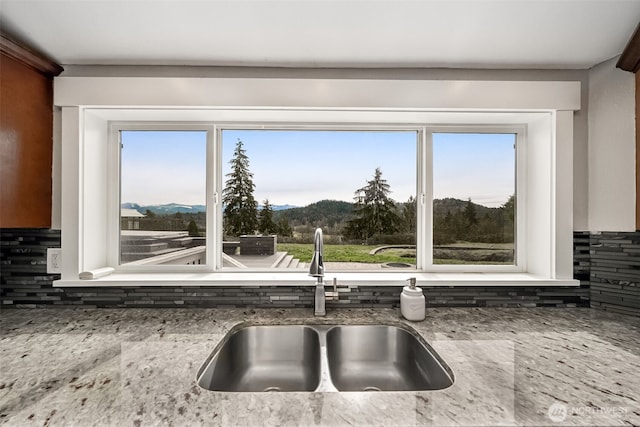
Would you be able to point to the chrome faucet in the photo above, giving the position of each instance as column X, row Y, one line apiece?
column 316, row 269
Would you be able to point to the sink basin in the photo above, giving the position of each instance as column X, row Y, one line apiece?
column 323, row 358
column 380, row 357
column 265, row 358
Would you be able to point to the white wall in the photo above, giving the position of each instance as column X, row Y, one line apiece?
column 611, row 153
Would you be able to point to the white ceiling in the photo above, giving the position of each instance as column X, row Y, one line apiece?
column 325, row 33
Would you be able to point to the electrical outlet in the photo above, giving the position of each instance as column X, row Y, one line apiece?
column 54, row 260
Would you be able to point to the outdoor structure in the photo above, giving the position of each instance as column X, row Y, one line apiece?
column 258, row 245
column 160, row 247
column 131, row 218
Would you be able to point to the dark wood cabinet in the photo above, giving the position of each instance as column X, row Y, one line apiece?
column 26, row 136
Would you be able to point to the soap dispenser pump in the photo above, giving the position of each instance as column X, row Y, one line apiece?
column 412, row 304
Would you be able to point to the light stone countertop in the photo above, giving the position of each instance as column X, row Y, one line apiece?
column 137, row 367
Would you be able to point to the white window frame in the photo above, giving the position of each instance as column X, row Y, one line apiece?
column 311, row 126
column 85, row 106
column 215, row 182
column 114, row 185
column 520, row 261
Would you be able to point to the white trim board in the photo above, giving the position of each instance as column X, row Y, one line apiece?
column 318, row 93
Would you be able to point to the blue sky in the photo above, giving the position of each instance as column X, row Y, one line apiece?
column 476, row 166
column 302, row 167
column 163, row 167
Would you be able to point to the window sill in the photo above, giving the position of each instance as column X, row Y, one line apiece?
column 256, row 279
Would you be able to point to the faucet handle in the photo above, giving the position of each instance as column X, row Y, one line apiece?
column 333, row 295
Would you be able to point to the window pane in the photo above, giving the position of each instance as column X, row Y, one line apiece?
column 358, row 186
column 474, row 192
column 163, row 197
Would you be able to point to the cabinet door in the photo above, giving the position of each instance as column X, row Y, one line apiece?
column 26, row 123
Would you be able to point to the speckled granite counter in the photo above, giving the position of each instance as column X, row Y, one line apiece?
column 137, row 367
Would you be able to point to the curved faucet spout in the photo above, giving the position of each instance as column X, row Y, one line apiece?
column 316, row 269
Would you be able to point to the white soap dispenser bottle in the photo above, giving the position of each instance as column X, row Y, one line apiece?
column 412, row 304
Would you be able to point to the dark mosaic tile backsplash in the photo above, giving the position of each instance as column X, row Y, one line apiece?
column 607, row 265
column 615, row 272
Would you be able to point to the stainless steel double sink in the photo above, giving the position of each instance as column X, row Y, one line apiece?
column 323, row 358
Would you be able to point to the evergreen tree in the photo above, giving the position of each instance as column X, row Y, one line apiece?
column 193, row 230
column 409, row 215
column 240, row 208
column 375, row 211
column 508, row 216
column 509, row 209
column 265, row 219
column 284, row 228
column 470, row 213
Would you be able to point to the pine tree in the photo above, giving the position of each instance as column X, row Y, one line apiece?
column 284, row 228
column 508, row 216
column 470, row 213
column 265, row 219
column 375, row 211
column 192, row 228
column 240, row 208
column 409, row 215
column 509, row 209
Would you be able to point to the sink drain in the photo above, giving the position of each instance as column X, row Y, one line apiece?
column 371, row 389
column 272, row 389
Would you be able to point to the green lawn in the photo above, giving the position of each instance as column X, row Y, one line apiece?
column 360, row 253
column 345, row 253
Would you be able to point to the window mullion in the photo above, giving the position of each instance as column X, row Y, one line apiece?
column 424, row 240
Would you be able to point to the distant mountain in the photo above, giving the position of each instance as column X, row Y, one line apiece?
column 327, row 211
column 276, row 208
column 442, row 206
column 334, row 212
column 166, row 209
column 130, row 205
column 173, row 208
